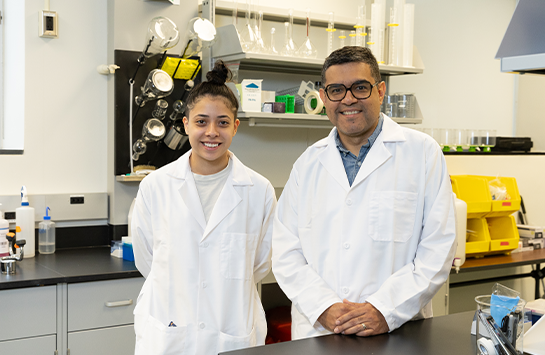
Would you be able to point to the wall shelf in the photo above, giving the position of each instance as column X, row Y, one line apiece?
column 130, row 178
column 229, row 49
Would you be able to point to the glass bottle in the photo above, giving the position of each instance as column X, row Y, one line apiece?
column 307, row 49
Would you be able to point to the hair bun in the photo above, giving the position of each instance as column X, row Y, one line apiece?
column 220, row 74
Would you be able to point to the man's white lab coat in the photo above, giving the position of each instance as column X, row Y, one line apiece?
column 200, row 296
column 389, row 239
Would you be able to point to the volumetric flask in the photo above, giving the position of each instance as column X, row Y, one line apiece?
column 160, row 109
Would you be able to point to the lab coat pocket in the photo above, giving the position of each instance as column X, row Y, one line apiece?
column 392, row 215
column 154, row 337
column 238, row 255
column 228, row 342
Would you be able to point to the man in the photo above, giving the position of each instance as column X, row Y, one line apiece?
column 364, row 232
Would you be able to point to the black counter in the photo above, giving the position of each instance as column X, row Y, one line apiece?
column 446, row 335
column 69, row 266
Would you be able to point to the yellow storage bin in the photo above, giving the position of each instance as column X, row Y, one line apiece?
column 505, row 207
column 504, row 234
column 475, row 192
column 477, row 237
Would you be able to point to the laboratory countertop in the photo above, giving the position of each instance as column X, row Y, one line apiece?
column 69, row 266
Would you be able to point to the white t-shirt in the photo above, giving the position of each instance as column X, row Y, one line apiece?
column 209, row 188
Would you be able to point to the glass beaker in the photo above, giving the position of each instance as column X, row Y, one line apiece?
column 447, row 139
column 488, row 139
column 390, row 105
column 307, row 49
column 405, row 105
column 473, row 140
column 460, row 140
column 490, row 335
column 160, row 109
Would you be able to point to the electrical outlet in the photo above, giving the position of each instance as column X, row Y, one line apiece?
column 49, row 24
column 9, row 215
column 77, row 200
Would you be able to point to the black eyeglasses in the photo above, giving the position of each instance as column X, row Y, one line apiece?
column 361, row 90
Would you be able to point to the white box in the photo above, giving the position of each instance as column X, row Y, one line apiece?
column 526, row 231
column 251, row 95
column 268, row 96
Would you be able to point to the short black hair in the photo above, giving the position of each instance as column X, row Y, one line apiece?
column 352, row 54
column 214, row 87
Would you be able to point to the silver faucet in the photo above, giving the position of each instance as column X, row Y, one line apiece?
column 8, row 262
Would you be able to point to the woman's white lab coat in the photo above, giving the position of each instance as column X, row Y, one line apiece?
column 200, row 296
column 389, row 239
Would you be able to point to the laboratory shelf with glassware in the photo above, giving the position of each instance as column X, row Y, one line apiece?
column 244, row 42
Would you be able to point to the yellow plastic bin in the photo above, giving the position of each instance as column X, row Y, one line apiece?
column 504, row 234
column 475, row 192
column 477, row 237
column 502, row 208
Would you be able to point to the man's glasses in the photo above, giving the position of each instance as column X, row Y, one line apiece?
column 361, row 90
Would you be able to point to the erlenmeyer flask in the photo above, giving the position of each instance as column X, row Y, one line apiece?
column 247, row 35
column 307, row 49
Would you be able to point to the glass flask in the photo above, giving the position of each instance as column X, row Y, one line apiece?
column 160, row 109
column 272, row 47
column 158, row 84
column 307, row 49
column 259, row 46
column 161, row 36
column 289, row 48
column 247, row 35
column 152, row 131
column 177, row 110
column 200, row 34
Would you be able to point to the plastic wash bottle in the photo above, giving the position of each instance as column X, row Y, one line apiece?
column 24, row 220
column 4, row 229
column 46, row 234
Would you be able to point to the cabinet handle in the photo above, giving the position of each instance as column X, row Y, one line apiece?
column 118, row 303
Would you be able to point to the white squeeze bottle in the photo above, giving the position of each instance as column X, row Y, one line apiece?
column 46, row 234
column 24, row 220
column 4, row 229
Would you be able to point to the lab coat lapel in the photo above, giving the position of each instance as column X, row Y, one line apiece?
column 379, row 153
column 188, row 190
column 229, row 198
column 331, row 159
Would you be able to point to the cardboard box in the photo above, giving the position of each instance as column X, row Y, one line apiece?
column 251, row 95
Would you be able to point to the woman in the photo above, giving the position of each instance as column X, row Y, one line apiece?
column 201, row 231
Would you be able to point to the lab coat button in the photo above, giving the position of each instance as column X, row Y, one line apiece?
column 349, row 202
column 204, row 285
column 346, row 246
column 205, row 244
column 345, row 290
column 201, row 325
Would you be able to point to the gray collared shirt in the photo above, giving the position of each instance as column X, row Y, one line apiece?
column 352, row 163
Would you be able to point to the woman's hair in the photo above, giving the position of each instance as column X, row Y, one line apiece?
column 214, row 87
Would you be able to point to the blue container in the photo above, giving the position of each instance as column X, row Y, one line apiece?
column 128, row 254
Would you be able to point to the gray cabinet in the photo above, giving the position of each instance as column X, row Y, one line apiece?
column 76, row 319
column 100, row 316
column 29, row 320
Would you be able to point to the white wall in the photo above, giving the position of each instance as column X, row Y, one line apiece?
column 64, row 103
column 530, row 112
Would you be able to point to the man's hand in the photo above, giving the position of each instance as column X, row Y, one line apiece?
column 329, row 318
column 361, row 313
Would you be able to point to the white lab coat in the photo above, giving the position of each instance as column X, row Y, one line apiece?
column 389, row 239
column 201, row 277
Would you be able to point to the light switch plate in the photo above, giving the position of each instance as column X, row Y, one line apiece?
column 49, row 24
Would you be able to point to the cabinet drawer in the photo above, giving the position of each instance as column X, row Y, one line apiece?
column 115, row 340
column 35, row 346
column 102, row 303
column 28, row 312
